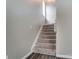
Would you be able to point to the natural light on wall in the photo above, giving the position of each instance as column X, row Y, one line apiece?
column 51, row 14
column 43, row 8
column 46, row 1
column 48, row 9
column 50, row 1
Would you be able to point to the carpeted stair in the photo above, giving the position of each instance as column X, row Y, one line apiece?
column 46, row 43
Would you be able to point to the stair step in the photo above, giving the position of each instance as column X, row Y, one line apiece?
column 48, row 30
column 49, row 33
column 49, row 37
column 46, row 41
column 48, row 25
column 44, row 35
column 46, row 45
column 45, row 51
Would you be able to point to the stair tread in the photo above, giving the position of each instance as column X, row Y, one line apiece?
column 47, row 25
column 47, row 33
column 46, row 41
column 45, row 51
column 47, row 30
column 46, row 45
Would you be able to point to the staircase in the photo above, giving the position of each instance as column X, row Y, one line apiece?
column 42, row 56
column 46, row 43
column 45, row 46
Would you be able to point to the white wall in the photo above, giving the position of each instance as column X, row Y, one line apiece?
column 64, row 27
column 51, row 14
column 23, row 21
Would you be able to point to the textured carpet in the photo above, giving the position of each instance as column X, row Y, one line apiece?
column 46, row 41
column 42, row 56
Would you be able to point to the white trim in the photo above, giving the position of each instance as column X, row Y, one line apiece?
column 34, row 43
column 24, row 57
column 64, row 56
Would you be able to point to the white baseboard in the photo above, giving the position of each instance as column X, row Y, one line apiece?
column 64, row 56
column 37, row 36
column 24, row 57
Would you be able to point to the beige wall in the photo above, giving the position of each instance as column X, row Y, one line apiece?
column 64, row 27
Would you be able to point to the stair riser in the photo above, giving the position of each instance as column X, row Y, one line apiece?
column 48, row 25
column 49, row 33
column 46, row 47
column 47, row 30
column 49, row 37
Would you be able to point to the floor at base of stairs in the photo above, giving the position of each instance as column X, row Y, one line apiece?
column 42, row 56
